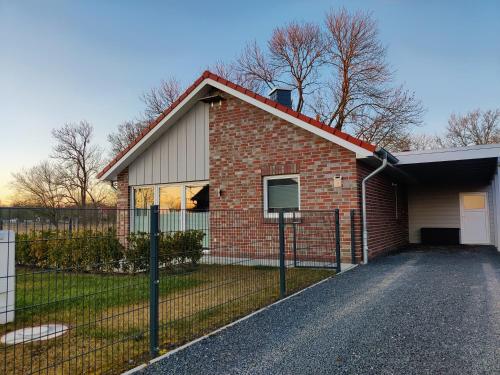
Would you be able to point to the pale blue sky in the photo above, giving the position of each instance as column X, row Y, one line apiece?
column 63, row 61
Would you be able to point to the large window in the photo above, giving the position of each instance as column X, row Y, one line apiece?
column 188, row 196
column 281, row 193
column 182, row 206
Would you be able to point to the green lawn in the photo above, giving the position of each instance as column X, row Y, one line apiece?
column 45, row 292
column 109, row 314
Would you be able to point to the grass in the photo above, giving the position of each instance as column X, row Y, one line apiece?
column 108, row 315
column 53, row 291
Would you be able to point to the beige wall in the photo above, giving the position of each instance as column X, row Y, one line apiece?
column 439, row 207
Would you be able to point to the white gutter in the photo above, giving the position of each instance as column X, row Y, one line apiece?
column 363, row 198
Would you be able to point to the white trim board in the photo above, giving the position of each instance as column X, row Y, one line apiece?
column 452, row 154
column 140, row 147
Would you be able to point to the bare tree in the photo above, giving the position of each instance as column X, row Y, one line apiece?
column 390, row 127
column 254, row 70
column 233, row 73
column 38, row 186
column 473, row 128
column 225, row 70
column 359, row 96
column 338, row 73
column 125, row 134
column 294, row 55
column 156, row 100
column 422, row 142
column 79, row 162
column 160, row 98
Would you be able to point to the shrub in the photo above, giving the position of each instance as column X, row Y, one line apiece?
column 40, row 244
column 136, row 256
column 180, row 248
column 101, row 251
column 82, row 250
column 23, row 249
column 174, row 249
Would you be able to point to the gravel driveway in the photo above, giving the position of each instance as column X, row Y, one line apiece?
column 419, row 312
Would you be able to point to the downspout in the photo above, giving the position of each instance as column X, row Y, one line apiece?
column 363, row 199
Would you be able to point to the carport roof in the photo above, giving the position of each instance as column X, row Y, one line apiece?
column 474, row 164
column 450, row 154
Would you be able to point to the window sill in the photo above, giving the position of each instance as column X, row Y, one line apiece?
column 289, row 217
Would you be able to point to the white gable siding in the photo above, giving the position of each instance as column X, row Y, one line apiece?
column 180, row 154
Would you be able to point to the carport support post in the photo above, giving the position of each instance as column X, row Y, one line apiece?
column 281, row 225
column 154, row 282
column 337, row 240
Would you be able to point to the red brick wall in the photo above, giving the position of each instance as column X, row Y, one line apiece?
column 123, row 205
column 387, row 220
column 247, row 143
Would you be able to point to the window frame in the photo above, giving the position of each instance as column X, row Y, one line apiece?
column 138, row 187
column 265, row 180
column 157, row 194
column 183, row 186
column 156, row 197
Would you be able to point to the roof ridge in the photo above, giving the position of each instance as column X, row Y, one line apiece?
column 209, row 75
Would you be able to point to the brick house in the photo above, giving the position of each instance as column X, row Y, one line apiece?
column 233, row 149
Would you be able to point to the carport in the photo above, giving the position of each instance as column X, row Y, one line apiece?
column 453, row 195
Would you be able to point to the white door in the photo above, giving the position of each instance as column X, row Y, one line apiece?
column 474, row 223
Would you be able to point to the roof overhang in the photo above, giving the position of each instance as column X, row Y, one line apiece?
column 451, row 154
column 463, row 165
column 461, row 172
column 198, row 91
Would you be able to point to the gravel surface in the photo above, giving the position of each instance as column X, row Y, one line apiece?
column 420, row 312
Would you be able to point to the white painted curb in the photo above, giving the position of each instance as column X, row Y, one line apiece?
column 166, row 355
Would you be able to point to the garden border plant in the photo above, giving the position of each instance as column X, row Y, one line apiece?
column 102, row 251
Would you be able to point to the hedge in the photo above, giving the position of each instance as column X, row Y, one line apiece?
column 177, row 249
column 82, row 250
column 94, row 251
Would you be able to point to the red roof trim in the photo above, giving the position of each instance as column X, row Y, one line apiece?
column 206, row 74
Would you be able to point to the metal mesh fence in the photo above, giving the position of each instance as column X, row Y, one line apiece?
column 101, row 291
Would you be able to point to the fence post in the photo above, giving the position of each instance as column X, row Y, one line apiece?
column 337, row 240
column 154, row 282
column 281, row 225
column 294, row 224
column 353, row 237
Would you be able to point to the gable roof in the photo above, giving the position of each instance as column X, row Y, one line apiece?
column 361, row 148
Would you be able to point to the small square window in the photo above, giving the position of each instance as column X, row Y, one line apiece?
column 281, row 193
column 474, row 202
